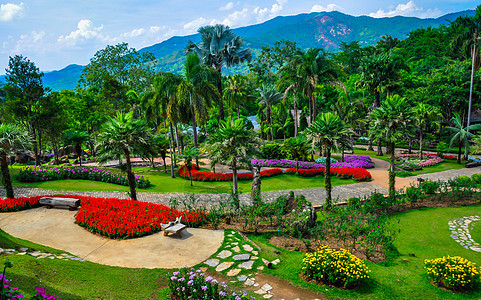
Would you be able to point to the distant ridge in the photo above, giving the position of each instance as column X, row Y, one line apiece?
column 308, row 30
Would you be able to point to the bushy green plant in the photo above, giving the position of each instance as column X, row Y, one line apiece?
column 403, row 173
column 442, row 148
column 476, row 178
column 463, row 180
column 337, row 267
column 413, row 194
column 454, row 273
column 353, row 201
column 271, row 151
column 429, row 187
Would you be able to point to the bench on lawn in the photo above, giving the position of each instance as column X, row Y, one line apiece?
column 50, row 202
column 173, row 227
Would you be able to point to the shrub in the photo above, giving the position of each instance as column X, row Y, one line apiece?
column 476, row 178
column 413, row 194
column 463, row 180
column 192, row 284
column 442, row 148
column 402, row 173
column 271, row 151
column 322, row 160
column 455, row 273
column 337, row 267
column 353, row 201
column 429, row 187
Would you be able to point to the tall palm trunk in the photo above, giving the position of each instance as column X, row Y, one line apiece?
column 420, row 143
column 6, row 175
column 379, row 148
column 268, row 117
column 313, row 100
column 392, row 173
column 178, row 140
column 234, row 182
column 35, row 147
column 130, row 175
column 296, row 125
column 194, row 128
column 459, row 151
column 256, row 186
column 172, row 151
column 327, row 176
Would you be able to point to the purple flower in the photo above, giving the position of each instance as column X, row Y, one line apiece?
column 204, row 287
column 208, row 279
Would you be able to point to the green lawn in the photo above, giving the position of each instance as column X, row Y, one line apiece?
column 475, row 231
column 163, row 183
column 444, row 166
column 424, row 234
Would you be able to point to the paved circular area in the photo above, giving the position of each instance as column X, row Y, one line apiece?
column 460, row 232
column 56, row 228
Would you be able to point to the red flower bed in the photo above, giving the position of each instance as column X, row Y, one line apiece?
column 452, row 157
column 17, row 204
column 359, row 174
column 121, row 218
column 209, row 176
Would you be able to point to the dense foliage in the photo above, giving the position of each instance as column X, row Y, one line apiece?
column 453, row 272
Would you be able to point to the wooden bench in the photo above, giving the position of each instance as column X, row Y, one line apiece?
column 174, row 227
column 50, row 202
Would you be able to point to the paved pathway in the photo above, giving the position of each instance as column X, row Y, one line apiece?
column 315, row 195
column 56, row 228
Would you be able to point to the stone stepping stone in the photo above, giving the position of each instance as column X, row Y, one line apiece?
column 275, row 262
column 77, row 258
column 241, row 257
column 224, row 254
column 21, row 253
column 268, row 296
column 247, row 248
column 254, row 257
column 260, row 268
column 233, row 272
column 236, row 249
column 23, row 249
column 224, row 266
column 242, row 278
column 247, row 265
column 250, row 282
column 266, row 287
column 34, row 254
column 213, row 262
column 255, row 252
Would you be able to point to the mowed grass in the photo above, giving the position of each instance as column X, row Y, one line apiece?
column 475, row 230
column 424, row 234
column 80, row 280
column 164, row 183
column 444, row 166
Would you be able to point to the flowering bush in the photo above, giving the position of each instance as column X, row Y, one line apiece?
column 192, row 284
column 9, row 292
column 209, row 176
column 432, row 159
column 358, row 174
column 122, row 218
column 450, row 157
column 350, row 161
column 38, row 174
column 322, row 160
column 337, row 267
column 455, row 273
column 16, row 204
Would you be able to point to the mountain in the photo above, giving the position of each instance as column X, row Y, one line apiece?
column 309, row 30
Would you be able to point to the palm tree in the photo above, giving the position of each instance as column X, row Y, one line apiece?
column 236, row 91
column 297, row 148
column 426, row 116
column 76, row 138
column 234, row 145
column 12, row 138
column 196, row 92
column 391, row 121
column 460, row 134
column 329, row 131
column 162, row 145
column 268, row 97
column 123, row 136
column 219, row 46
column 188, row 155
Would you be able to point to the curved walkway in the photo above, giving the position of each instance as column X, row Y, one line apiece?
column 56, row 228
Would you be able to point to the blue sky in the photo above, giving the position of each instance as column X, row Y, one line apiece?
column 54, row 34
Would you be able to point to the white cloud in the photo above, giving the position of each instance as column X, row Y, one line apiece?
column 134, row 33
column 236, row 17
column 268, row 13
column 409, row 9
column 228, row 6
column 154, row 29
column 85, row 31
column 37, row 36
column 192, row 26
column 329, row 7
column 9, row 11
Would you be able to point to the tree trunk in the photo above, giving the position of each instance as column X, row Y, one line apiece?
column 256, row 186
column 55, row 151
column 392, row 173
column 420, row 143
column 296, row 125
column 130, row 175
column 165, row 164
column 234, row 181
column 179, row 147
column 35, row 147
column 313, row 99
column 327, row 176
column 6, row 176
column 268, row 117
column 221, row 102
column 78, row 149
column 459, row 152
column 369, row 145
column 379, row 148
column 194, row 128
column 190, row 175
column 377, row 100
column 172, row 151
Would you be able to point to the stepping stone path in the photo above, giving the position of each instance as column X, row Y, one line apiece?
column 460, row 232
column 238, row 257
column 40, row 255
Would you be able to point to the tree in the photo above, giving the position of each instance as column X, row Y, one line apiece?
column 25, row 93
column 162, row 145
column 127, row 66
column 426, row 116
column 196, row 92
column 329, row 131
column 391, row 121
column 234, row 145
column 236, row 91
column 268, row 97
column 460, row 134
column 12, row 138
column 122, row 136
column 219, row 46
column 188, row 155
column 297, row 148
column 77, row 138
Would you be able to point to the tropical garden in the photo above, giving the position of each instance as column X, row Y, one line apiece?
column 298, row 119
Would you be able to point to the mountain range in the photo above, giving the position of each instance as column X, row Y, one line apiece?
column 309, row 30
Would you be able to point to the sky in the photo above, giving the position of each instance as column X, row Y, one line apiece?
column 54, row 34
